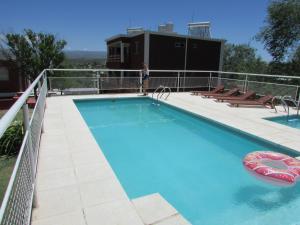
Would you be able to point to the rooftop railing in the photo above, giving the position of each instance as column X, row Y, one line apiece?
column 70, row 81
column 19, row 197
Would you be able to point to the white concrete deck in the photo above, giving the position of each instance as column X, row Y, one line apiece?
column 75, row 183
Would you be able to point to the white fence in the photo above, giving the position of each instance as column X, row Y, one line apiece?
column 17, row 203
column 71, row 81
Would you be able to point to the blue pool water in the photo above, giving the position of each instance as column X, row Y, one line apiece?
column 291, row 121
column 192, row 162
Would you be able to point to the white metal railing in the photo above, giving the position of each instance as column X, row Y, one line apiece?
column 17, row 203
column 18, row 199
column 179, row 80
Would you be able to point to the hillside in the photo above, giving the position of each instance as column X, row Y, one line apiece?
column 79, row 54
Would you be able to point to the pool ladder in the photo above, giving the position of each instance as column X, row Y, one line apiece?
column 285, row 100
column 160, row 94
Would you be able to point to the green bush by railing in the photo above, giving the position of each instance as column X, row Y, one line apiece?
column 11, row 140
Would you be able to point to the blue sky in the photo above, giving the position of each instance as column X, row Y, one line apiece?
column 86, row 24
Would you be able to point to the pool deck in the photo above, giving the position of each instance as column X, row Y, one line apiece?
column 77, row 186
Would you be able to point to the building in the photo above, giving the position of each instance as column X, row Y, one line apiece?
column 10, row 83
column 164, row 50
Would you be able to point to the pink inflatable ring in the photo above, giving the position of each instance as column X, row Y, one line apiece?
column 274, row 167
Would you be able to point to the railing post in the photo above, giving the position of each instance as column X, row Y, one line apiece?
column 178, row 81
column 50, row 83
column 209, row 81
column 39, row 87
column 246, row 83
column 141, row 80
column 98, row 83
column 297, row 95
column 219, row 78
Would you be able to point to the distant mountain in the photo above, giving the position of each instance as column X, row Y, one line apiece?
column 78, row 54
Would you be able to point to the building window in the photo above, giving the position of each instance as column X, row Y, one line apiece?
column 4, row 74
column 179, row 45
column 136, row 50
column 194, row 45
column 118, row 51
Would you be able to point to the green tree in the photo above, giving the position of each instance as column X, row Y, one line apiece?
column 282, row 31
column 33, row 51
column 242, row 58
column 290, row 67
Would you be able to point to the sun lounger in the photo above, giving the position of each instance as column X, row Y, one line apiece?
column 231, row 92
column 246, row 96
column 218, row 89
column 262, row 101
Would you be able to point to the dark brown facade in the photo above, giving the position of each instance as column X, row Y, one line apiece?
column 133, row 52
column 10, row 83
column 163, row 51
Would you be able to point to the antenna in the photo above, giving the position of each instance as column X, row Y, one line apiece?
column 129, row 22
column 193, row 14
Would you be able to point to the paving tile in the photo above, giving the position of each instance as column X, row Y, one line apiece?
column 54, row 162
column 73, row 218
column 87, row 157
column 101, row 191
column 56, row 202
column 174, row 220
column 112, row 213
column 48, row 139
column 52, row 149
column 56, row 179
column 153, row 208
column 92, row 172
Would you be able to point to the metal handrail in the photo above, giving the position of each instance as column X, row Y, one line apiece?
column 156, row 90
column 181, row 71
column 161, row 93
column 273, row 102
column 164, row 91
column 286, row 106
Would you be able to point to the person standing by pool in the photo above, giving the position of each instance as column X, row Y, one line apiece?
column 145, row 78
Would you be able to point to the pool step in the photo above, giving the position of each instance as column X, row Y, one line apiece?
column 155, row 210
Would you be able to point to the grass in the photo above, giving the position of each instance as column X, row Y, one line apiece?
column 6, row 168
column 2, row 112
column 19, row 116
column 7, row 164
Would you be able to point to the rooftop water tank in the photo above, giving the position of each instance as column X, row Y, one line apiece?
column 166, row 28
column 199, row 29
column 134, row 30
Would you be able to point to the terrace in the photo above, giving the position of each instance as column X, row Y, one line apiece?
column 62, row 176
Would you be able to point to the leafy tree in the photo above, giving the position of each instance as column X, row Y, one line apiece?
column 242, row 58
column 33, row 52
column 282, row 31
column 290, row 67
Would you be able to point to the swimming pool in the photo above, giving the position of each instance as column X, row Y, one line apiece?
column 194, row 163
column 291, row 121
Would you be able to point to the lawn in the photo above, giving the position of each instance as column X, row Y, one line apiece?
column 6, row 164
column 2, row 112
column 6, row 168
column 19, row 116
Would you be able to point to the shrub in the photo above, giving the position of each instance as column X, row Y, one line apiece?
column 11, row 140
